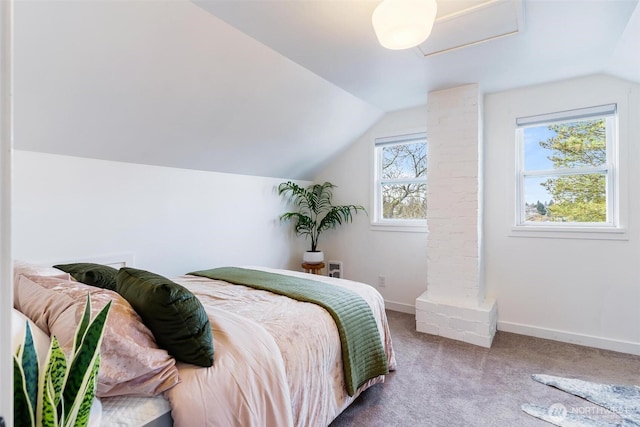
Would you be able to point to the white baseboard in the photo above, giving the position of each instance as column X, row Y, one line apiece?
column 399, row 306
column 550, row 334
column 570, row 337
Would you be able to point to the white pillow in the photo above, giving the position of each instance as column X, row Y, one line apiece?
column 31, row 269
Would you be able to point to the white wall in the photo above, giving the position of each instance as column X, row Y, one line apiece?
column 583, row 291
column 6, row 292
column 366, row 253
column 172, row 220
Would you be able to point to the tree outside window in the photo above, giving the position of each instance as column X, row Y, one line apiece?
column 401, row 179
column 566, row 173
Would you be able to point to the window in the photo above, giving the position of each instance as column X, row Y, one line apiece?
column 400, row 184
column 567, row 169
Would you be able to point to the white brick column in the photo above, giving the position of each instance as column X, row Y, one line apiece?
column 454, row 304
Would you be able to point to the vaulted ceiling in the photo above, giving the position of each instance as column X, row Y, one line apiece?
column 272, row 88
column 553, row 40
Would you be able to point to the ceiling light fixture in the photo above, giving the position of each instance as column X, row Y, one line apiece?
column 402, row 24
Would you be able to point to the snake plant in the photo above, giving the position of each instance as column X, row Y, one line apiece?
column 61, row 395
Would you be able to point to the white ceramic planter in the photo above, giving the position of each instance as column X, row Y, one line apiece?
column 313, row 257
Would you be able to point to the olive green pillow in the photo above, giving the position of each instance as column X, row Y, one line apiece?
column 92, row 274
column 175, row 316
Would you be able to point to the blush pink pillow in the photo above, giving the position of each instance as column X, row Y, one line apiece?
column 131, row 361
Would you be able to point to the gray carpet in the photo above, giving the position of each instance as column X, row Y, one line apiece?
column 441, row 382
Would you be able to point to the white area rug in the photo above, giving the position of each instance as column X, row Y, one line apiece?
column 619, row 405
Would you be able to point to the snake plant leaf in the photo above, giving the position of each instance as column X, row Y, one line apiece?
column 82, row 364
column 84, row 324
column 79, row 417
column 49, row 415
column 55, row 370
column 29, row 362
column 23, row 414
column 63, row 392
column 52, row 383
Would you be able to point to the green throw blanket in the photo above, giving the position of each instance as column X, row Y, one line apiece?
column 362, row 351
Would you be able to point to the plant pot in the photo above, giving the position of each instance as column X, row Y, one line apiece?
column 313, row 257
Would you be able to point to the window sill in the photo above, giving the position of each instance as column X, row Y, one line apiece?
column 592, row 233
column 402, row 228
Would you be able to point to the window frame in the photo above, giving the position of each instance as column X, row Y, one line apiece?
column 377, row 221
column 612, row 226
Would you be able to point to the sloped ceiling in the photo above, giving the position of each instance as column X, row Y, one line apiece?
column 625, row 60
column 167, row 83
column 558, row 39
column 269, row 88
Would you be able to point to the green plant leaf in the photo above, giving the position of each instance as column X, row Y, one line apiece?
column 315, row 210
column 49, row 415
column 23, row 414
column 84, row 324
column 82, row 363
column 63, row 393
column 56, row 370
column 51, row 385
column 81, row 417
column 29, row 363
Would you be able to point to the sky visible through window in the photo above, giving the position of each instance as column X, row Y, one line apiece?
column 536, row 158
column 401, row 161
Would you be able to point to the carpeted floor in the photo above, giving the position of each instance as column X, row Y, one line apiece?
column 441, row 382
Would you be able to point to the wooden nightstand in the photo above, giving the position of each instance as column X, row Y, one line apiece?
column 314, row 268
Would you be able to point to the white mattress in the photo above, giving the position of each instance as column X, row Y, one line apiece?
column 132, row 411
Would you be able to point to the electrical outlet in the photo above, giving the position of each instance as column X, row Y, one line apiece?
column 382, row 281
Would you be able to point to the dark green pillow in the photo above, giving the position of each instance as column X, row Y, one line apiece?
column 174, row 315
column 92, row 274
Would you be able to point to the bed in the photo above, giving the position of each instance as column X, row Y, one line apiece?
column 277, row 361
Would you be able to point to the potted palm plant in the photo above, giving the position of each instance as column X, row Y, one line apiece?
column 315, row 213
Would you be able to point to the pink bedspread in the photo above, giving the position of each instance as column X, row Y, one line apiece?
column 277, row 361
